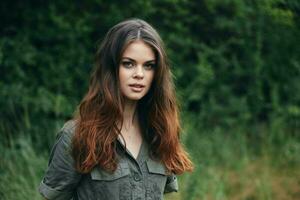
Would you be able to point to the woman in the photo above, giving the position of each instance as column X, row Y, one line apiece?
column 124, row 141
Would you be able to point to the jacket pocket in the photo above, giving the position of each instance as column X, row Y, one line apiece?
column 122, row 170
column 155, row 167
column 107, row 186
column 156, row 181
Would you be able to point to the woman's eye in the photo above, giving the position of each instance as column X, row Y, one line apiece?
column 149, row 66
column 127, row 64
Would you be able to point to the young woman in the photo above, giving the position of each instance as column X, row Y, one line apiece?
column 124, row 141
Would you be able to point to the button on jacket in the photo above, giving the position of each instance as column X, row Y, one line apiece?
column 134, row 179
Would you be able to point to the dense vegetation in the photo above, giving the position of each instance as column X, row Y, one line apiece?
column 237, row 70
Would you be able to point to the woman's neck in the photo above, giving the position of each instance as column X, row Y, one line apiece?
column 130, row 117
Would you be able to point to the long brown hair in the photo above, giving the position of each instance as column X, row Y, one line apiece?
column 102, row 107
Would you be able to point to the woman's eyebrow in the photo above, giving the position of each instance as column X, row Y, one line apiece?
column 150, row 61
column 135, row 61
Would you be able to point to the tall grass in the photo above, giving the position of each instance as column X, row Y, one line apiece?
column 232, row 165
column 21, row 169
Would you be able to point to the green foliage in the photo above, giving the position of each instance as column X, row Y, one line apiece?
column 21, row 169
column 235, row 62
column 230, row 165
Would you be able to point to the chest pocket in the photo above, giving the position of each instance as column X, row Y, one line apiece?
column 155, row 167
column 102, row 175
column 157, row 178
column 108, row 186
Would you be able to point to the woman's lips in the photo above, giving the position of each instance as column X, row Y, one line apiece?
column 136, row 87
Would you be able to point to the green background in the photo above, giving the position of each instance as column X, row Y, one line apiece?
column 236, row 66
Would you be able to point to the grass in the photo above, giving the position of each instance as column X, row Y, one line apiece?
column 227, row 167
column 230, row 166
column 21, row 171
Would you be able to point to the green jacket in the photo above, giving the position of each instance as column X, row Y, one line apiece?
column 135, row 179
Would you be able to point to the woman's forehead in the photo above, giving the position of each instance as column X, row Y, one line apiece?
column 139, row 50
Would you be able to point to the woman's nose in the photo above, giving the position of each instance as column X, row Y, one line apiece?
column 139, row 72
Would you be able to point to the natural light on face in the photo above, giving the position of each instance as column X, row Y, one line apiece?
column 136, row 70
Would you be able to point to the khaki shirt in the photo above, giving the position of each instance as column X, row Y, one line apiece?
column 134, row 179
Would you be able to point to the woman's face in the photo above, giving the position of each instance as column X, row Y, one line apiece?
column 136, row 70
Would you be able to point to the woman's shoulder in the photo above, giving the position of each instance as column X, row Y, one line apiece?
column 69, row 126
column 68, row 129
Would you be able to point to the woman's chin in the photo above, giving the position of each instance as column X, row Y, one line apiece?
column 134, row 97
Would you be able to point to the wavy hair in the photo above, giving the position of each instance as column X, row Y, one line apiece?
column 94, row 142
